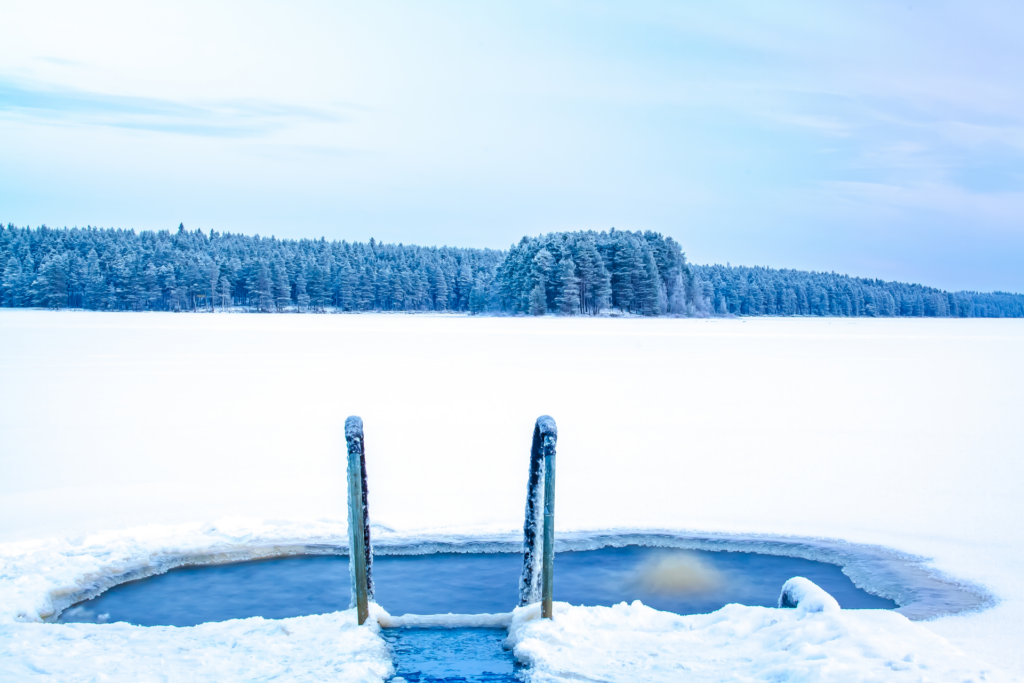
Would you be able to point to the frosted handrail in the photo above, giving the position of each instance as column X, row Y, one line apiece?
column 536, row 582
column 360, row 554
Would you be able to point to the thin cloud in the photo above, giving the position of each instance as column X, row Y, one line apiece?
column 229, row 118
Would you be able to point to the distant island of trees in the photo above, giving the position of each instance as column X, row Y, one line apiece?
column 563, row 273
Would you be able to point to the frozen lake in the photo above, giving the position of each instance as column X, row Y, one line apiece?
column 900, row 433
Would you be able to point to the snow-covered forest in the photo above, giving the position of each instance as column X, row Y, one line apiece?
column 565, row 273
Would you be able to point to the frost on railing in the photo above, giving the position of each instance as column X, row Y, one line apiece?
column 806, row 596
column 360, row 555
column 536, row 582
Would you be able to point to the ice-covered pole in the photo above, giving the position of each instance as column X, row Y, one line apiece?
column 548, row 573
column 360, row 553
column 540, row 509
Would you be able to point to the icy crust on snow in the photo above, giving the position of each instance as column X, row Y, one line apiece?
column 631, row 643
column 39, row 579
column 500, row 620
column 314, row 648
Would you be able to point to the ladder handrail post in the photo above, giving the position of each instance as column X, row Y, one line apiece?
column 548, row 572
column 360, row 555
column 537, row 579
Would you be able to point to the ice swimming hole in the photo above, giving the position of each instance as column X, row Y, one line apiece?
column 676, row 580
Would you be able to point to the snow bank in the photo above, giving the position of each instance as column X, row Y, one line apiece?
column 317, row 648
column 630, row 643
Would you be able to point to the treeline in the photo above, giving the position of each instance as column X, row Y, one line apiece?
column 764, row 291
column 119, row 270
column 567, row 273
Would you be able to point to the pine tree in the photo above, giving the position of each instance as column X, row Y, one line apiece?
column 365, row 294
column 264, row 288
column 538, row 299
column 587, row 269
column 478, row 295
column 316, row 288
column 148, row 293
column 282, row 290
column 440, row 291
column 348, row 285
column 110, row 301
column 541, row 276
column 214, row 279
column 50, row 287
column 622, row 275
column 301, row 297
column 11, row 283
column 568, row 299
column 225, row 293
column 397, row 292
column 602, row 288
column 650, row 299
column 463, row 284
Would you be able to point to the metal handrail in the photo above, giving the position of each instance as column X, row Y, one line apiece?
column 360, row 551
column 537, row 581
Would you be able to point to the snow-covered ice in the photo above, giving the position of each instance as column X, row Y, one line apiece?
column 129, row 440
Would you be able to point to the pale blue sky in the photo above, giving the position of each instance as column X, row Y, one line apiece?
column 883, row 139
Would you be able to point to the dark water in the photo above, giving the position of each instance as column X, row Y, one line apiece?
column 685, row 582
column 459, row 654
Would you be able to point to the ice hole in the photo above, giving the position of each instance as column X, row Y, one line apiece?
column 681, row 581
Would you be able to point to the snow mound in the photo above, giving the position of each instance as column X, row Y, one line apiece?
column 316, row 648
column 815, row 642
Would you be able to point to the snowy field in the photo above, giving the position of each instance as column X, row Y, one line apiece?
column 129, row 437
